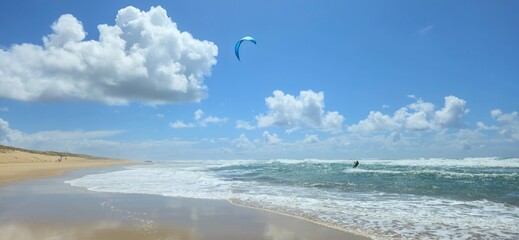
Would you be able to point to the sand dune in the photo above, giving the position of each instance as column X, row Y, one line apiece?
column 17, row 164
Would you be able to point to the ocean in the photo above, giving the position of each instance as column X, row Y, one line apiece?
column 471, row 198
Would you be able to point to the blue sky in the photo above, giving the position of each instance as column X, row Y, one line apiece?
column 329, row 80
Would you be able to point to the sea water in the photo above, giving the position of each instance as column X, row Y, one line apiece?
column 411, row 199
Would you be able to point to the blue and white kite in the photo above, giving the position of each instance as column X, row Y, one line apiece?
column 237, row 47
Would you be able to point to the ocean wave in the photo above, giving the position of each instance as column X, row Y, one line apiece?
column 441, row 173
column 333, row 193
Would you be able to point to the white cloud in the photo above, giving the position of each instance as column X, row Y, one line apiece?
column 96, row 143
column 271, row 138
column 465, row 138
column 66, row 29
column 311, row 138
column 181, row 124
column 52, row 140
column 198, row 114
column 244, row 125
column 495, row 113
column 305, row 110
column 509, row 123
column 376, row 121
column 395, row 136
column 495, row 140
column 62, row 136
column 143, row 57
column 6, row 133
column 418, row 116
column 242, row 143
column 482, row 126
column 452, row 113
column 200, row 121
column 417, row 122
column 211, row 120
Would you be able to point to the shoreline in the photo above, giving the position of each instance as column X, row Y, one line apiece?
column 47, row 207
column 50, row 208
column 317, row 222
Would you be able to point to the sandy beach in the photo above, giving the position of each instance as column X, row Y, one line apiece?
column 17, row 164
column 36, row 203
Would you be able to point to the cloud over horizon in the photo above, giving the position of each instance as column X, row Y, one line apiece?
column 55, row 140
column 501, row 134
column 200, row 121
column 144, row 57
column 417, row 116
column 303, row 111
column 509, row 123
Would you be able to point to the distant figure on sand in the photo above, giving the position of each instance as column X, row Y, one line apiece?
column 356, row 164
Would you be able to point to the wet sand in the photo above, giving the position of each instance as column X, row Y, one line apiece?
column 51, row 209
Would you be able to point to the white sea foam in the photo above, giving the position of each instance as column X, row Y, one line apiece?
column 378, row 214
column 429, row 162
column 442, row 173
column 440, row 162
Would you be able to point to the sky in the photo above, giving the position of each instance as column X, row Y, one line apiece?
column 159, row 80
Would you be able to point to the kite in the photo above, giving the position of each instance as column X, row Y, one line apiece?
column 237, row 47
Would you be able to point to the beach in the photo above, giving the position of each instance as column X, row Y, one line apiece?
column 37, row 203
column 258, row 199
column 472, row 198
column 17, row 164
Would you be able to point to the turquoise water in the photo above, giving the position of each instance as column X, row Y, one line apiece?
column 491, row 182
column 410, row 199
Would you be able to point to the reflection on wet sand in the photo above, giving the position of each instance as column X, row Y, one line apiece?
column 101, row 230
column 50, row 209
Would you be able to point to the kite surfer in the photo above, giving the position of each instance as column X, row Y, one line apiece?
column 356, row 163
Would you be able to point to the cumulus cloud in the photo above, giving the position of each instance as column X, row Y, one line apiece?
column 452, row 113
column 143, row 57
column 418, row 116
column 244, row 125
column 271, row 138
column 242, row 143
column 305, row 110
column 376, row 121
column 495, row 113
column 7, row 134
column 311, row 138
column 200, row 121
column 482, row 126
column 509, row 123
column 181, row 124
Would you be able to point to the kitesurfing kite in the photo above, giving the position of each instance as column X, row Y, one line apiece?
column 237, row 47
